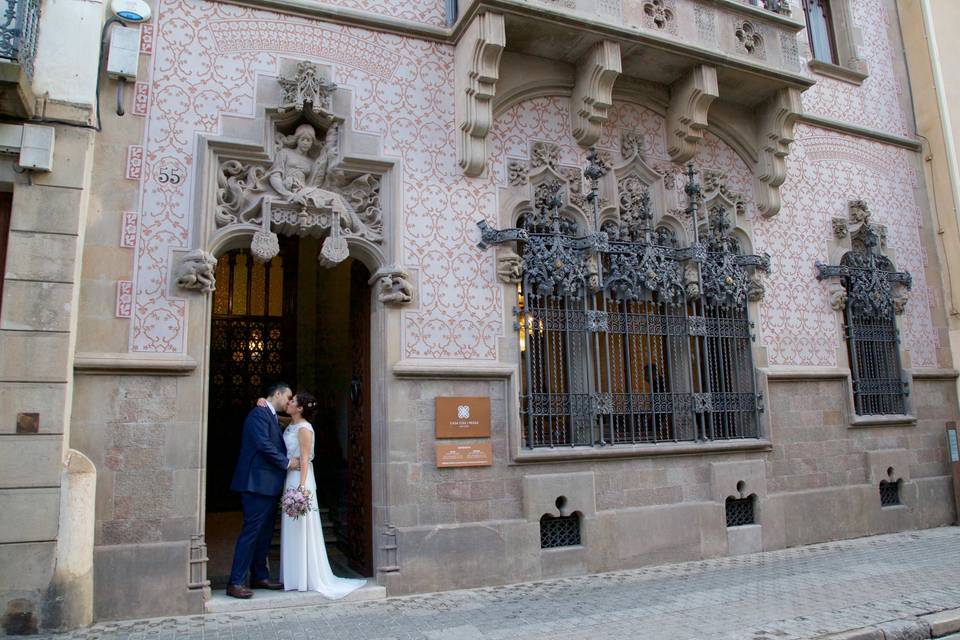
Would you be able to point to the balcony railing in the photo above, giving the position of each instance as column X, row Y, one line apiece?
column 18, row 32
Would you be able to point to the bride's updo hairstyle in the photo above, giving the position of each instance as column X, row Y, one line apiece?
column 309, row 405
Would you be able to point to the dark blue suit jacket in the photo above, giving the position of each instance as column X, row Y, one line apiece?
column 262, row 463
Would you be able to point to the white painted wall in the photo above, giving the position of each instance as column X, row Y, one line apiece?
column 68, row 50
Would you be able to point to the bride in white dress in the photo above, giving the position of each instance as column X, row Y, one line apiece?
column 303, row 555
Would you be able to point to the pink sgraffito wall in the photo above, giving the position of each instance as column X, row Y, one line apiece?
column 206, row 58
column 205, row 61
column 826, row 170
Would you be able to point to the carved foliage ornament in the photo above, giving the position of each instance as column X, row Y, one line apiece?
column 307, row 87
column 660, row 12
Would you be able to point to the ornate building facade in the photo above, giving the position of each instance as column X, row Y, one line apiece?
column 684, row 249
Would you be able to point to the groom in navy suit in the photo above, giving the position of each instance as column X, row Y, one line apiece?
column 259, row 478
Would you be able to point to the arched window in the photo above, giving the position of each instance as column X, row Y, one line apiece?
column 873, row 293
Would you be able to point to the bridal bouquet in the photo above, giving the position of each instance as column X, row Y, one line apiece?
column 295, row 503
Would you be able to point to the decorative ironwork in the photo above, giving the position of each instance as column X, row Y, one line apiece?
column 18, row 32
column 889, row 493
column 618, row 344
column 559, row 531
column 740, row 511
column 873, row 297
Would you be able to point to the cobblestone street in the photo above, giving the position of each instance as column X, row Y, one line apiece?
column 797, row 593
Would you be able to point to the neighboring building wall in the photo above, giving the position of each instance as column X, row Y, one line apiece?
column 928, row 29
column 138, row 406
column 47, row 488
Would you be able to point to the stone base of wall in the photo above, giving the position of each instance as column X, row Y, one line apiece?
column 501, row 552
column 143, row 581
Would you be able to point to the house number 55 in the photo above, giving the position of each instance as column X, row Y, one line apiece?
column 167, row 174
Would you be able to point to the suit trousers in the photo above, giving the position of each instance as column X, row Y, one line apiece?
column 253, row 543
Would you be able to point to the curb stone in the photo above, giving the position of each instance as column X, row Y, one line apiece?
column 931, row 625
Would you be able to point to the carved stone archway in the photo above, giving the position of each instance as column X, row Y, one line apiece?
column 297, row 168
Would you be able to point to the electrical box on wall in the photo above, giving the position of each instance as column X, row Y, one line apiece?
column 36, row 148
column 123, row 57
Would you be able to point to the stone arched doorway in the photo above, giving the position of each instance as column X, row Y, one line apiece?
column 295, row 320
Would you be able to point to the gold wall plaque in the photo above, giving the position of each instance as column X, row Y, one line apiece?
column 461, row 417
column 465, row 455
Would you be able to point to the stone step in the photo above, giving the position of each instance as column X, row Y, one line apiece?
column 220, row 602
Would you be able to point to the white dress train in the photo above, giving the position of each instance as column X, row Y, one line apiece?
column 303, row 555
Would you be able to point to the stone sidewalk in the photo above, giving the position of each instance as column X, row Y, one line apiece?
column 867, row 584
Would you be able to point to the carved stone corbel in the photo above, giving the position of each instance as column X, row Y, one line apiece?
column 509, row 266
column 477, row 68
column 197, row 271
column 775, row 122
column 393, row 288
column 593, row 92
column 690, row 99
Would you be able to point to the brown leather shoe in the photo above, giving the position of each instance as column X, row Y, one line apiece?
column 266, row 584
column 239, row 591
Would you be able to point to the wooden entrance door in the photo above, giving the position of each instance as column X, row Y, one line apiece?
column 359, row 490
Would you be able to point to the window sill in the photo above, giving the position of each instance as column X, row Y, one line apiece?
column 837, row 72
column 559, row 454
column 899, row 420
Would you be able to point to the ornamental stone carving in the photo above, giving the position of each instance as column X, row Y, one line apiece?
column 301, row 190
column 838, row 296
column 660, row 14
column 265, row 246
column 634, row 143
column 840, row 229
column 197, row 271
column 509, row 266
column 749, row 38
column 477, row 69
column 544, row 154
column 306, row 87
column 517, row 173
column 393, row 288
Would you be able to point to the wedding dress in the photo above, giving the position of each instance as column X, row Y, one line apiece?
column 303, row 555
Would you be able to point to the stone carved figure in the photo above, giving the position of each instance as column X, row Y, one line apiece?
column 305, row 195
column 840, row 228
column 394, row 288
column 197, row 270
column 509, row 267
column 838, row 296
column 900, row 299
column 859, row 211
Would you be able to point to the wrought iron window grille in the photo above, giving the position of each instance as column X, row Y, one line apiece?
column 625, row 337
column 740, row 511
column 559, row 531
column 889, row 493
column 870, row 305
column 18, row 32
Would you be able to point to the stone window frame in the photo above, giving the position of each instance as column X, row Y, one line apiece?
column 849, row 65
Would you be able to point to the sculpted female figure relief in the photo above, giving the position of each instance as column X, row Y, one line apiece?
column 305, row 196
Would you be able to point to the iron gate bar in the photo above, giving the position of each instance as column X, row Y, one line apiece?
column 607, row 320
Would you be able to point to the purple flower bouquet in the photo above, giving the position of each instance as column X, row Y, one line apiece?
column 295, row 503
